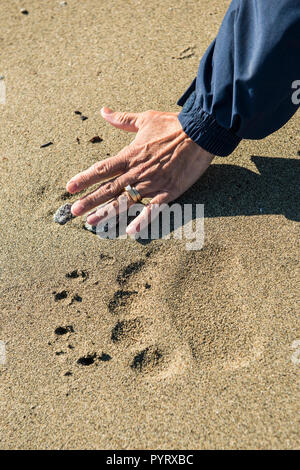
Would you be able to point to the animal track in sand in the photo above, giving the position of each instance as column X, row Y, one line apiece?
column 84, row 360
column 64, row 294
column 209, row 314
column 62, row 336
column 75, row 274
column 147, row 359
column 218, row 318
column 120, row 300
column 149, row 326
column 129, row 330
column 129, row 271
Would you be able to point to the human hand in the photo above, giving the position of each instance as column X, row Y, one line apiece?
column 162, row 162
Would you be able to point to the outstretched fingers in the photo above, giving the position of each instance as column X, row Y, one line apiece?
column 100, row 171
column 110, row 210
column 148, row 214
column 106, row 192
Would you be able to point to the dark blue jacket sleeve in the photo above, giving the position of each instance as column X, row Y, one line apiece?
column 245, row 88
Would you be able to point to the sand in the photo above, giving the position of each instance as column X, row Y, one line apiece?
column 198, row 353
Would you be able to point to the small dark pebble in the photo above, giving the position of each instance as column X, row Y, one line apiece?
column 83, row 118
column 104, row 357
column 77, row 298
column 63, row 330
column 75, row 274
column 59, row 353
column 46, row 145
column 70, row 346
column 63, row 214
column 78, row 112
column 87, row 360
column 60, row 295
column 147, row 286
column 96, row 139
column 24, row 11
column 67, row 374
column 77, row 140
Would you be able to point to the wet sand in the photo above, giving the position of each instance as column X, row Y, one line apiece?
column 141, row 346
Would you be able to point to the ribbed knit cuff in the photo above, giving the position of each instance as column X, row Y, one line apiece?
column 203, row 128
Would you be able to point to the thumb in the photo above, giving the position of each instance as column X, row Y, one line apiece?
column 125, row 121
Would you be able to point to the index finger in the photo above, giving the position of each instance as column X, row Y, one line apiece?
column 106, row 169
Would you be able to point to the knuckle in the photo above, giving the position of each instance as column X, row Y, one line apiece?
column 143, row 152
column 123, row 116
column 98, row 168
column 109, row 189
column 93, row 198
column 146, row 148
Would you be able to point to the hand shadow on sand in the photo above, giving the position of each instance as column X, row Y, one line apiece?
column 231, row 190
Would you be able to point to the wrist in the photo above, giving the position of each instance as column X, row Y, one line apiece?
column 205, row 131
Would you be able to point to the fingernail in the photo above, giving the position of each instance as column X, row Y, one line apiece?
column 72, row 186
column 77, row 208
column 92, row 219
column 105, row 110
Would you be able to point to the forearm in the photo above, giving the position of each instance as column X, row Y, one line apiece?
column 244, row 85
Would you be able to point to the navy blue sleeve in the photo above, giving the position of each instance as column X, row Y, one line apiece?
column 244, row 88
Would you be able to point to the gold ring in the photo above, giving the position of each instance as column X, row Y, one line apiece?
column 133, row 193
